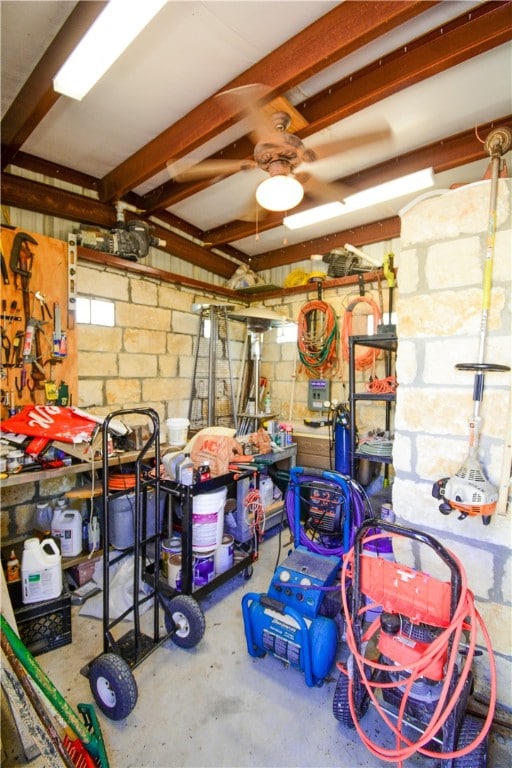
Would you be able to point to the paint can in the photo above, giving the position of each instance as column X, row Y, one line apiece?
column 174, row 571
column 166, row 553
column 204, row 568
column 170, row 547
column 224, row 555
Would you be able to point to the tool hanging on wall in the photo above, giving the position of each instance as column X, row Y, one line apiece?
column 468, row 490
column 38, row 283
column 318, row 339
column 21, row 264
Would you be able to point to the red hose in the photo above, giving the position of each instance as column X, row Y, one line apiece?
column 466, row 617
column 365, row 359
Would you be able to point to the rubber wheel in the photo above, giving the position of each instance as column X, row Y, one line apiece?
column 113, row 686
column 248, row 572
column 469, row 730
column 340, row 705
column 184, row 621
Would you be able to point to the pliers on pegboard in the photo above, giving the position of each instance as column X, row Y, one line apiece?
column 20, row 385
column 45, row 309
column 6, row 349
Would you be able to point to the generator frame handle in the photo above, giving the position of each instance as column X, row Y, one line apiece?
column 414, row 535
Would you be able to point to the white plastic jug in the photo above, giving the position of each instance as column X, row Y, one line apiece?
column 41, row 574
column 67, row 528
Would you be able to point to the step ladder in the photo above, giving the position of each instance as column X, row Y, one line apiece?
column 212, row 400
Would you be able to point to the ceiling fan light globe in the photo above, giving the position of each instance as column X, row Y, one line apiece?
column 279, row 193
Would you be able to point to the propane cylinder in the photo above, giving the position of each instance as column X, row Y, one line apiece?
column 342, row 445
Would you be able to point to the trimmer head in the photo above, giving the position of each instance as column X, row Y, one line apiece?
column 468, row 490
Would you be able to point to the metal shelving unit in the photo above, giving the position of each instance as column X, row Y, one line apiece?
column 388, row 344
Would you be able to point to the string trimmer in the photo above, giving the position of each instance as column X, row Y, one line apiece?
column 468, row 490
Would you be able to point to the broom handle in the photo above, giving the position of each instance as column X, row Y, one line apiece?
column 32, row 696
column 11, row 641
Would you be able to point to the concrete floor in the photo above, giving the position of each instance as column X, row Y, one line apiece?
column 215, row 706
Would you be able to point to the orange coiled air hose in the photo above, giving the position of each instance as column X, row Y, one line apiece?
column 465, row 618
column 365, row 359
column 318, row 339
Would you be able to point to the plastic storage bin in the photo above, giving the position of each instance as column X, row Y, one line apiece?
column 46, row 625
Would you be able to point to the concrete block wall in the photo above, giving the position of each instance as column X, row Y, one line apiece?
column 444, row 243
column 147, row 359
column 282, row 365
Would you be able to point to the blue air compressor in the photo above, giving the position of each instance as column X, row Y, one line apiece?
column 294, row 621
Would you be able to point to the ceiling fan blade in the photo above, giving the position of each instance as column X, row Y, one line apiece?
column 248, row 99
column 323, row 191
column 253, row 213
column 205, row 169
column 339, row 146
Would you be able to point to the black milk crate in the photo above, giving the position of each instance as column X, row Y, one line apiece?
column 45, row 625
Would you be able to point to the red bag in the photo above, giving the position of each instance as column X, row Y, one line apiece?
column 55, row 422
column 217, row 450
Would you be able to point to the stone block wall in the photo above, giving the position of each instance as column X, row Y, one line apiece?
column 147, row 359
column 444, row 243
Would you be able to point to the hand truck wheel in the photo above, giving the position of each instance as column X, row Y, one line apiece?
column 113, row 686
column 184, row 621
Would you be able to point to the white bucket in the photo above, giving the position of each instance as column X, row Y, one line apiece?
column 177, row 431
column 67, row 528
column 208, row 520
column 41, row 573
column 224, row 555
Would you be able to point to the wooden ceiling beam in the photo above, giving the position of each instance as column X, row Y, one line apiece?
column 469, row 35
column 37, row 96
column 443, row 155
column 336, row 34
column 432, row 53
column 52, row 201
column 366, row 234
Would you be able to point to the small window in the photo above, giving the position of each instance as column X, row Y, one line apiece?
column 386, row 319
column 95, row 311
column 286, row 333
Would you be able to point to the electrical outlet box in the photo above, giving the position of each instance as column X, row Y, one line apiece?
column 318, row 391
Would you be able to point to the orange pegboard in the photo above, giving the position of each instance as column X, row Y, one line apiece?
column 46, row 271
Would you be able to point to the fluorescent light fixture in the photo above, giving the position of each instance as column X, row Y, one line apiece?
column 390, row 190
column 279, row 193
column 111, row 33
column 314, row 215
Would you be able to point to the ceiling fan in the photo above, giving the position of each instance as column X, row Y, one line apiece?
column 281, row 154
